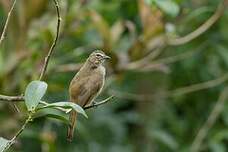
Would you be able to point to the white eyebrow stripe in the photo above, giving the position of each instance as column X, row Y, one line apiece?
column 100, row 54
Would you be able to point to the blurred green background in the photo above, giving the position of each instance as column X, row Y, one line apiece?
column 151, row 111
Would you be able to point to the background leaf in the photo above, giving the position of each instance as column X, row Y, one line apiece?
column 33, row 94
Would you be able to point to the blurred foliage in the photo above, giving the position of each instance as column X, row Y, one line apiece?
column 141, row 117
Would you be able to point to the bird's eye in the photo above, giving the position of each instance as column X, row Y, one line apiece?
column 98, row 55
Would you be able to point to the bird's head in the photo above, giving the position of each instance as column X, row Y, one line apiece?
column 98, row 57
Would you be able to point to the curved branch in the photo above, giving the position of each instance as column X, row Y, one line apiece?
column 200, row 30
column 12, row 141
column 68, row 67
column 199, row 86
column 131, row 96
column 7, row 22
column 210, row 121
column 99, row 103
column 47, row 58
column 171, row 93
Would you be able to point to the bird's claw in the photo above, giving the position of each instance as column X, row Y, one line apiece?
column 94, row 104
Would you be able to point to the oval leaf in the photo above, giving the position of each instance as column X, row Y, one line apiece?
column 33, row 94
column 67, row 105
column 3, row 144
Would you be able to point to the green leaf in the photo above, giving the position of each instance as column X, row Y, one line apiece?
column 55, row 116
column 66, row 105
column 168, row 6
column 33, row 94
column 3, row 144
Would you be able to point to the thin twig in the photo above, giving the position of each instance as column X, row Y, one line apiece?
column 47, row 58
column 68, row 67
column 143, row 61
column 210, row 121
column 7, row 21
column 99, row 103
column 199, row 86
column 12, row 141
column 131, row 96
column 160, row 63
column 11, row 98
column 200, row 30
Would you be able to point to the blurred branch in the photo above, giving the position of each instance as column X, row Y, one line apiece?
column 161, row 63
column 12, row 141
column 11, row 98
column 171, row 93
column 142, row 61
column 67, row 67
column 210, row 121
column 131, row 96
column 203, row 28
column 7, row 22
column 199, row 86
column 44, row 68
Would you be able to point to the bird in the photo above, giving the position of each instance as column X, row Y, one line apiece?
column 86, row 85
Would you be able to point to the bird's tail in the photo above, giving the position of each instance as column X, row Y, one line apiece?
column 70, row 131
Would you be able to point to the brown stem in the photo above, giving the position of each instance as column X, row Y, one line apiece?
column 209, row 122
column 200, row 30
column 47, row 58
column 7, row 22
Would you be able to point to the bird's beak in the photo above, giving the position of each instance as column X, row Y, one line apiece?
column 107, row 57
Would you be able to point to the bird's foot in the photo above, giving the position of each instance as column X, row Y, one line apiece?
column 94, row 104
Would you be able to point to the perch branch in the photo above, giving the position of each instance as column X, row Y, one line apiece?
column 99, row 103
column 200, row 30
column 210, row 121
column 7, row 21
column 47, row 58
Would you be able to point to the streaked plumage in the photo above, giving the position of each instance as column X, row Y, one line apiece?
column 86, row 85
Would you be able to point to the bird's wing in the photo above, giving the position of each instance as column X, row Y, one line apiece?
column 84, row 91
column 87, row 96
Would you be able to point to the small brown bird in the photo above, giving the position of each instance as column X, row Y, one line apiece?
column 86, row 85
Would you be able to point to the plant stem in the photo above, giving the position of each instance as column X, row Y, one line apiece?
column 12, row 141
